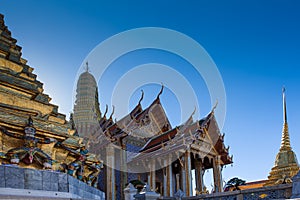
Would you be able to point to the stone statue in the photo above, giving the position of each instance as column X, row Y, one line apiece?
column 92, row 178
column 29, row 152
column 76, row 168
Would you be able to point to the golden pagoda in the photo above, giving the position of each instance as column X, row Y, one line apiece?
column 286, row 164
column 33, row 134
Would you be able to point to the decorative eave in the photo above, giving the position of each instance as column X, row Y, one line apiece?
column 158, row 141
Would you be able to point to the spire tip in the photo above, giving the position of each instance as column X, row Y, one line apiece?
column 87, row 66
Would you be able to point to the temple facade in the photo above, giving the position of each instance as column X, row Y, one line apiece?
column 143, row 147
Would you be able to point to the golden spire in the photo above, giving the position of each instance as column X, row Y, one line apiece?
column 284, row 105
column 87, row 66
column 285, row 139
column 286, row 164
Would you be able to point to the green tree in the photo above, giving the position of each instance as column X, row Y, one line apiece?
column 234, row 183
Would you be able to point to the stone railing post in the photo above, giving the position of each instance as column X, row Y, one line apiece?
column 296, row 186
column 129, row 192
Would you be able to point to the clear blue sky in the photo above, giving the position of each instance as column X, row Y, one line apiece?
column 255, row 45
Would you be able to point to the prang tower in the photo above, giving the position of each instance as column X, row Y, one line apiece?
column 86, row 109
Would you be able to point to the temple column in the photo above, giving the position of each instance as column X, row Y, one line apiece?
column 217, row 171
column 183, row 175
column 124, row 170
column 110, row 173
column 165, row 170
column 188, row 174
column 149, row 179
column 152, row 175
column 199, row 172
column 170, row 178
column 177, row 176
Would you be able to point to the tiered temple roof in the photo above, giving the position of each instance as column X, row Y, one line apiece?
column 195, row 136
column 150, row 129
column 139, row 125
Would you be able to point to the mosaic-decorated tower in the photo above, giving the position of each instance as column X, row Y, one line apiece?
column 86, row 109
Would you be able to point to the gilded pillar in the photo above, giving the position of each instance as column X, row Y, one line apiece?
column 170, row 178
column 199, row 172
column 188, row 174
column 217, row 171
column 177, row 176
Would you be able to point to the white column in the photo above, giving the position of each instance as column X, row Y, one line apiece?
column 152, row 175
column 110, row 173
column 124, row 177
column 183, row 175
column 149, row 178
column 165, row 174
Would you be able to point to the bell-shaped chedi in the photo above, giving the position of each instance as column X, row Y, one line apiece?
column 286, row 164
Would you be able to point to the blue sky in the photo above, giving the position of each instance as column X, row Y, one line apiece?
column 255, row 45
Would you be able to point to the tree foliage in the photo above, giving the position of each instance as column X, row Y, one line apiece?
column 234, row 183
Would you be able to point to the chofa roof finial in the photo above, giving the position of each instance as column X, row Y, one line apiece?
column 106, row 109
column 113, row 111
column 161, row 90
column 142, row 97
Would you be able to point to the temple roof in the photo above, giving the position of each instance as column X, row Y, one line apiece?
column 202, row 135
column 157, row 141
column 138, row 123
column 145, row 123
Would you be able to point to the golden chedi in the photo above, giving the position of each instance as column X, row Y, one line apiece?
column 286, row 164
column 33, row 134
